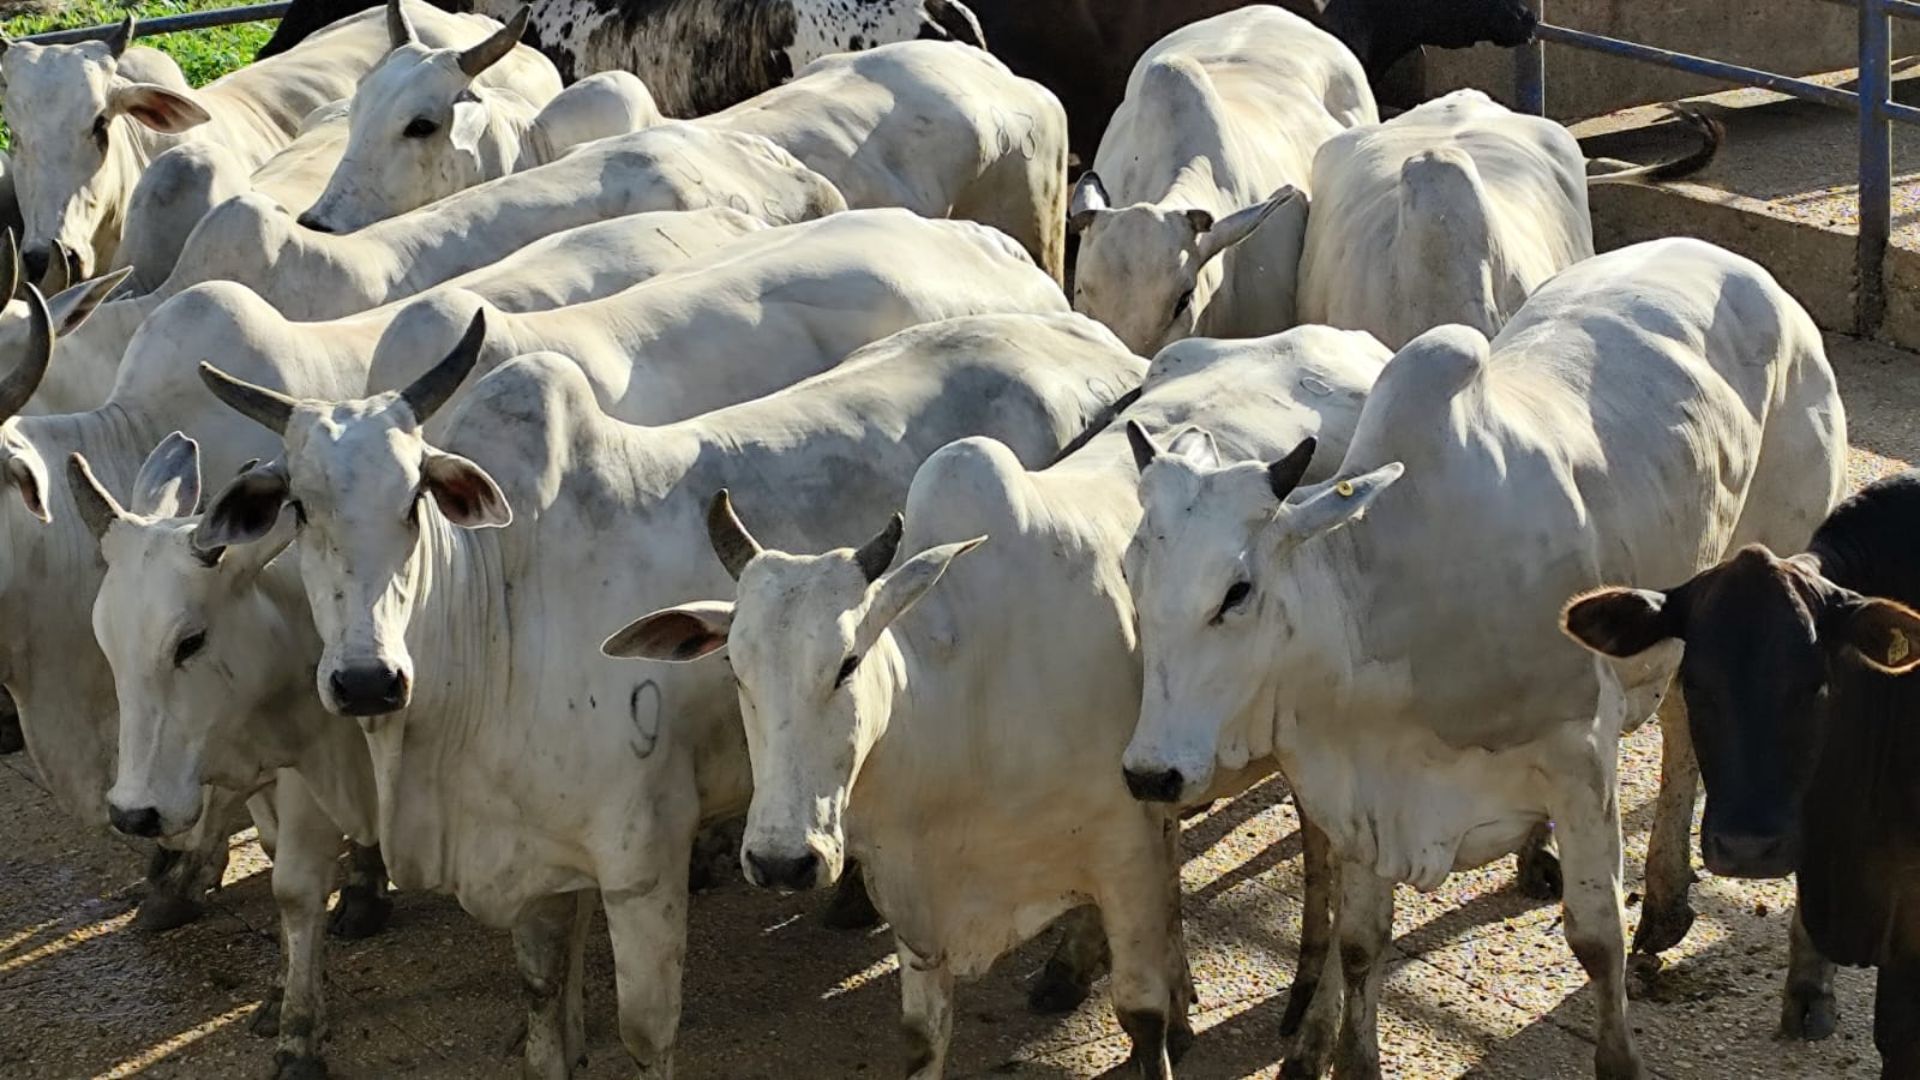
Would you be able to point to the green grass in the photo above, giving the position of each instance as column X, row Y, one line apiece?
column 203, row 55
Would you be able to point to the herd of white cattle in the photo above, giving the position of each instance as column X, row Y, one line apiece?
column 618, row 475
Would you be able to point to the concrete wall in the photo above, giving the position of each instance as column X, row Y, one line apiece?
column 1792, row 37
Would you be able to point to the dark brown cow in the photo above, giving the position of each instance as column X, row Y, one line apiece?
column 1809, row 739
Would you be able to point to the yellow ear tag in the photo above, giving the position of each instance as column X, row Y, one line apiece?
column 1344, row 489
column 1897, row 649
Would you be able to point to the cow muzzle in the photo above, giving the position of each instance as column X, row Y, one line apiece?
column 786, row 872
column 1155, row 785
column 141, row 821
column 1750, row 855
column 35, row 261
column 371, row 689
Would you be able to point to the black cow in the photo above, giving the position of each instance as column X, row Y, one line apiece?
column 1809, row 738
column 724, row 51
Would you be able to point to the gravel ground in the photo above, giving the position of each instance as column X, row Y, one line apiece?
column 1481, row 983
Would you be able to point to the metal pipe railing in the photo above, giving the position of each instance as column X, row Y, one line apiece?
column 166, row 24
column 1873, row 103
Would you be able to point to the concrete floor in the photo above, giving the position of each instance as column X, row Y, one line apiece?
column 1482, row 983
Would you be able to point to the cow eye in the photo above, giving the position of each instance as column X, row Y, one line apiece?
column 1185, row 302
column 189, row 646
column 100, row 128
column 1236, row 595
column 420, row 127
column 846, row 671
column 299, row 512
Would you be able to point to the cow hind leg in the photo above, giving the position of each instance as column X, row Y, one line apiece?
column 1807, row 1005
column 1589, row 831
column 302, row 877
column 541, row 948
column 1667, row 914
column 926, row 1013
column 1896, row 1018
column 1537, row 865
column 364, row 906
column 649, row 932
column 1079, row 959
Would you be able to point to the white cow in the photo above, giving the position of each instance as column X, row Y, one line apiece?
column 760, row 314
column 198, row 707
column 1023, row 665
column 1177, row 218
column 940, row 128
column 311, row 275
column 88, row 118
column 410, row 596
column 1646, row 412
column 1452, row 212
column 429, row 122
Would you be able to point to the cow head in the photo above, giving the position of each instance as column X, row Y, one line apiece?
column 77, row 152
column 419, row 129
column 807, row 635
column 195, row 649
column 1210, row 568
column 1764, row 638
column 1381, row 32
column 1148, row 272
column 366, row 492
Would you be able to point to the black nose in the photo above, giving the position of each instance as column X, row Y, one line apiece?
column 35, row 261
column 307, row 220
column 142, row 822
column 369, row 689
column 1160, row 785
column 1749, row 855
column 794, row 872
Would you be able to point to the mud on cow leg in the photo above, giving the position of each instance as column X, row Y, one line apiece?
column 1080, row 958
column 364, row 906
column 12, row 741
column 1316, row 927
column 1667, row 914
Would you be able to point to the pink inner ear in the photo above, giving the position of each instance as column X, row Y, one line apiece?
column 158, row 113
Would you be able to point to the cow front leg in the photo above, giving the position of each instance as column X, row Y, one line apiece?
column 180, row 877
column 1366, row 925
column 649, row 932
column 1589, row 830
column 1078, row 960
column 1316, row 934
column 309, row 843
column 926, row 1012
column 1140, row 907
column 364, row 906
column 1896, row 1017
column 1667, row 914
column 541, row 949
column 1807, row 1005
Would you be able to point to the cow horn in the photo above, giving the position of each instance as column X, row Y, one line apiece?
column 96, row 504
column 1144, row 448
column 877, row 554
column 487, row 53
column 1284, row 475
column 24, row 379
column 268, row 408
column 12, row 258
column 431, row 390
column 399, row 27
column 122, row 37
column 731, row 541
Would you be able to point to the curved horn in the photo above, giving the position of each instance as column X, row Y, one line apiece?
column 487, row 53
column 24, row 379
column 731, row 541
column 12, row 259
column 1144, row 448
column 122, row 37
column 431, row 390
column 1284, row 475
column 95, row 503
column 877, row 554
column 268, row 408
column 399, row 27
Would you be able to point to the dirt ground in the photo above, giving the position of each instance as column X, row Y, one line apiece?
column 1481, row 984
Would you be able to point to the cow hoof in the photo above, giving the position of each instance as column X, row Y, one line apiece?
column 362, row 913
column 1807, row 1015
column 288, row 1066
column 1058, row 990
column 1297, row 1069
column 266, row 1018
column 1537, row 874
column 163, row 911
column 851, row 908
column 1299, row 996
column 1662, row 930
column 11, row 740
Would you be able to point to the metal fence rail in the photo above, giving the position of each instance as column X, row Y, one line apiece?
column 166, row 24
column 1872, row 102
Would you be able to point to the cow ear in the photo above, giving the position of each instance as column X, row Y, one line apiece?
column 1089, row 198
column 903, row 587
column 675, row 634
column 169, row 483
column 469, row 124
column 1331, row 505
column 169, row 112
column 1217, row 236
column 465, row 493
column 28, row 475
column 70, row 307
column 1886, row 634
column 1197, row 446
column 1620, row 622
column 245, row 510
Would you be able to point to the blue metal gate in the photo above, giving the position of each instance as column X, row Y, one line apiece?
column 1873, row 104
